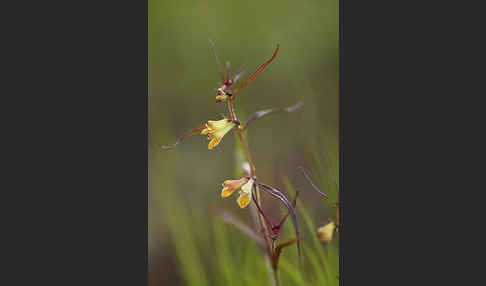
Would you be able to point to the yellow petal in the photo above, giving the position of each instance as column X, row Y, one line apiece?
column 235, row 184
column 214, row 143
column 206, row 131
column 216, row 130
column 226, row 192
column 222, row 131
column 247, row 187
column 221, row 98
column 243, row 200
column 227, row 182
column 218, row 124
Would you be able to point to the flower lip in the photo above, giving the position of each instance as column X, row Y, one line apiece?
column 245, row 193
column 244, row 200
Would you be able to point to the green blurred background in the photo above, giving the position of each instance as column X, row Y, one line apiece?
column 188, row 244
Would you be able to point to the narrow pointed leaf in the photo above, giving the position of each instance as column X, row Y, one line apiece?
column 306, row 175
column 267, row 221
column 276, row 193
column 262, row 113
column 188, row 134
column 259, row 70
column 294, row 203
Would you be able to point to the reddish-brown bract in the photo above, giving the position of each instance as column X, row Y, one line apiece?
column 259, row 70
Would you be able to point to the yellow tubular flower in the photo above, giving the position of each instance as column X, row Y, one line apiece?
column 229, row 186
column 216, row 130
column 245, row 194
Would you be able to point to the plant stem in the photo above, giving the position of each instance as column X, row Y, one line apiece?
column 276, row 278
column 247, row 153
column 263, row 226
column 231, row 110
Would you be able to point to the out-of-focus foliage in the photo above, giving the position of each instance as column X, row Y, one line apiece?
column 188, row 244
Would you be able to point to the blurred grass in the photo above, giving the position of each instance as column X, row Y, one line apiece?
column 213, row 253
column 188, row 245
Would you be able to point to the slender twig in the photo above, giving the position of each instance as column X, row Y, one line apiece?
column 231, row 110
column 247, row 153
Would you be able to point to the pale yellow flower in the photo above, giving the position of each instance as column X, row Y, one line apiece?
column 326, row 232
column 216, row 130
column 229, row 186
column 246, row 185
column 245, row 194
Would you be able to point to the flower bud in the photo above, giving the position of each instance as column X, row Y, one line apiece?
column 326, row 232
